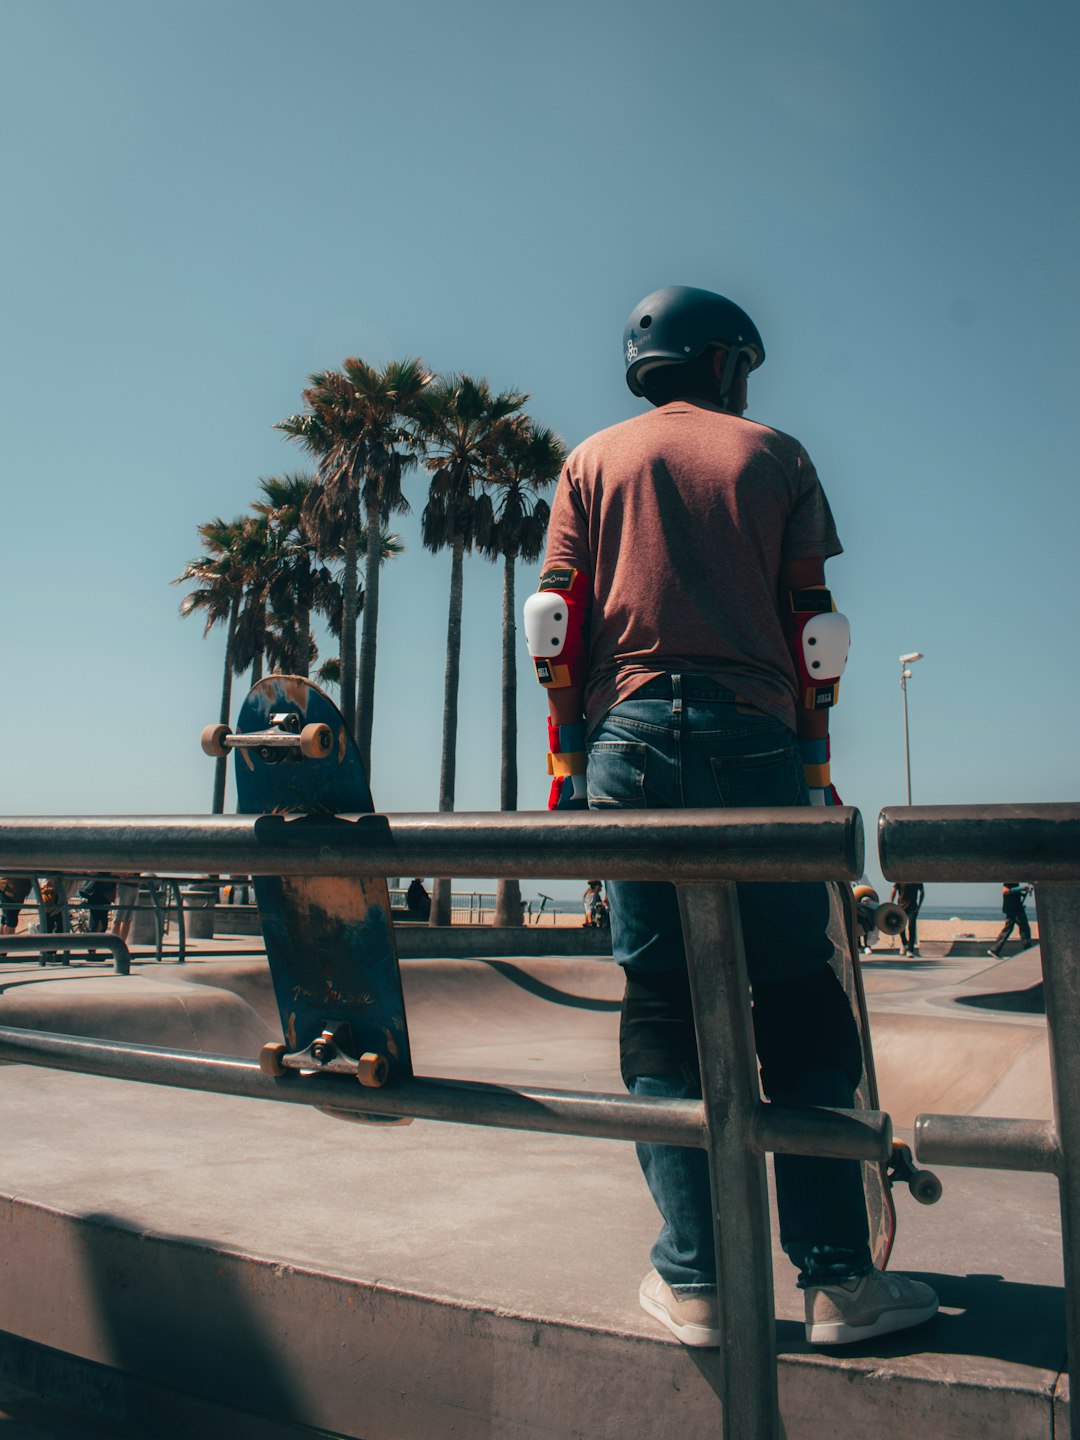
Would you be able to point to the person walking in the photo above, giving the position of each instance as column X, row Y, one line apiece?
column 690, row 652
column 910, row 898
column 1013, row 899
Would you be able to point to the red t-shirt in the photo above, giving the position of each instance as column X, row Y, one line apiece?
column 683, row 517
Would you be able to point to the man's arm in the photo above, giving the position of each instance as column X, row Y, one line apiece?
column 813, row 628
column 557, row 630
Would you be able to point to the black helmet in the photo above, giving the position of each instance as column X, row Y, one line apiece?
column 679, row 323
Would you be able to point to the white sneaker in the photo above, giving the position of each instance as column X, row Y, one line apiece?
column 692, row 1319
column 874, row 1304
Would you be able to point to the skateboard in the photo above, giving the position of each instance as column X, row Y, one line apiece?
column 879, row 1178
column 329, row 939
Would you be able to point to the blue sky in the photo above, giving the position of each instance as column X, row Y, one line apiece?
column 207, row 201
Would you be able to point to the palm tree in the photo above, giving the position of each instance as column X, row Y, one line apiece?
column 528, row 459
column 296, row 575
column 220, row 576
column 461, row 423
column 357, row 425
column 330, row 598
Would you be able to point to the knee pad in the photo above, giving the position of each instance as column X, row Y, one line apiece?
column 557, row 627
column 819, row 638
column 804, row 1025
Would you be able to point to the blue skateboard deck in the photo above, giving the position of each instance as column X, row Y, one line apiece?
column 329, row 939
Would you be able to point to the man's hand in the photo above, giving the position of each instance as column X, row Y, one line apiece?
column 815, row 762
column 566, row 766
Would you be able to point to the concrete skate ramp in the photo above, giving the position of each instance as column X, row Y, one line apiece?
column 555, row 1021
column 155, row 1010
column 960, row 1066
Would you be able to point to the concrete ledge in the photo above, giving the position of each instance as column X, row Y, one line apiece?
column 416, row 940
column 378, row 1362
column 481, row 942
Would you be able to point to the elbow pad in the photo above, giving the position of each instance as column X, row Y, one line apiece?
column 557, row 625
column 819, row 638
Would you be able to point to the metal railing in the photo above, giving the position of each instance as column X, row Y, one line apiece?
column 85, row 942
column 703, row 851
column 1040, row 843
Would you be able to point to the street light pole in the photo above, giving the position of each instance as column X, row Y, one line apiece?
column 905, row 676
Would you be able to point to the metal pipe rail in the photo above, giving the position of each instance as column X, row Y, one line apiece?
column 89, row 941
column 704, row 852
column 824, row 843
column 838, row 1134
column 1039, row 843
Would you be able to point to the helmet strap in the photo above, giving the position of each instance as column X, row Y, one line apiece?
column 729, row 373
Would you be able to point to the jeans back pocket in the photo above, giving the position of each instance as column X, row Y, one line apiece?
column 771, row 777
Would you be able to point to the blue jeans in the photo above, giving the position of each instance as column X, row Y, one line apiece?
column 683, row 742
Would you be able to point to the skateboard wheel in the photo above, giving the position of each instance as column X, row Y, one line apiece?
column 316, row 741
column 926, row 1187
column 270, row 1058
column 373, row 1070
column 213, row 740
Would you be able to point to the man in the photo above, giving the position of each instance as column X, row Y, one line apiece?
column 909, row 896
column 1013, row 896
column 13, row 892
column 683, row 633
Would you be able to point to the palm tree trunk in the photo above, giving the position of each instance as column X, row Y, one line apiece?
column 348, row 633
column 508, row 909
column 365, row 687
column 303, row 642
column 440, row 897
column 217, row 804
column 257, row 665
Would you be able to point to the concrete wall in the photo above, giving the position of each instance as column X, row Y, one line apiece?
column 417, row 941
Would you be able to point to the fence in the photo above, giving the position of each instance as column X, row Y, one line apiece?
column 704, row 852
column 1040, row 843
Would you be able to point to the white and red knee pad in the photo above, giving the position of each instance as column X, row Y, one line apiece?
column 557, row 627
column 819, row 638
column 557, row 632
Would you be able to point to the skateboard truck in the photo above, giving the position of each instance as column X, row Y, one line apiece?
column 284, row 740
column 330, row 1052
column 923, row 1184
column 325, row 1054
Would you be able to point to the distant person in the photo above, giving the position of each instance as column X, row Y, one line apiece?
column 51, row 911
column 98, row 894
column 1013, row 897
column 866, row 904
column 910, row 898
column 126, row 895
column 13, row 892
column 596, row 909
column 418, row 901
column 52, row 914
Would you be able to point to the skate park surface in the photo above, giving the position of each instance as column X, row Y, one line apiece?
column 217, row 1265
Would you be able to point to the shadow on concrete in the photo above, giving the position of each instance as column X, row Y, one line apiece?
column 906, row 967
column 1031, row 1001
column 517, row 976
column 201, row 1334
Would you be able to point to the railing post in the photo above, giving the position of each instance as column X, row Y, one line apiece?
column 181, row 929
column 720, row 988
column 1058, row 909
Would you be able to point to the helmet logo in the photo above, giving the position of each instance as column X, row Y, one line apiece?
column 631, row 351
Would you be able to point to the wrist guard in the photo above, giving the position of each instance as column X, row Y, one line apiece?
column 566, row 766
column 819, row 638
column 814, row 755
column 556, row 627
